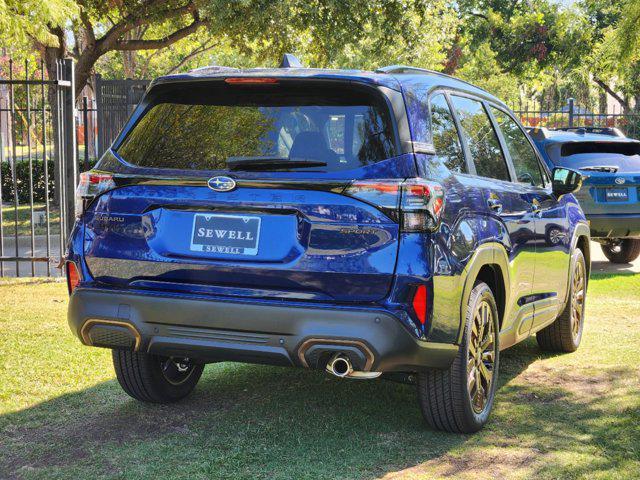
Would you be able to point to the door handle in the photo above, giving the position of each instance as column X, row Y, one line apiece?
column 494, row 204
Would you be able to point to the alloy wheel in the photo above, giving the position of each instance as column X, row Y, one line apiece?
column 176, row 370
column 577, row 299
column 481, row 359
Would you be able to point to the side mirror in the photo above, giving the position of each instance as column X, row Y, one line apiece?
column 565, row 181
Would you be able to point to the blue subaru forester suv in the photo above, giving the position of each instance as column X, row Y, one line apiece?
column 389, row 223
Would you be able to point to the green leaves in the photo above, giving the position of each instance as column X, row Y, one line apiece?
column 506, row 46
column 627, row 34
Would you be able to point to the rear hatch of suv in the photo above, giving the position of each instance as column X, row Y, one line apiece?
column 612, row 170
column 244, row 186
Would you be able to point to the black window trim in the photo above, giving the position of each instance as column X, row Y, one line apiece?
column 503, row 143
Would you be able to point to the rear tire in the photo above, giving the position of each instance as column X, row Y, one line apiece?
column 565, row 333
column 460, row 399
column 626, row 251
column 155, row 379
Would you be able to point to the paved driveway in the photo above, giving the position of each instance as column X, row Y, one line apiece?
column 600, row 264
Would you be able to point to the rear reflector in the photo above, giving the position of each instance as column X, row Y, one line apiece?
column 73, row 276
column 419, row 304
column 249, row 80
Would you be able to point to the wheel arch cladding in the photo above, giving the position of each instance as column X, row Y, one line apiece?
column 583, row 244
column 489, row 264
column 580, row 239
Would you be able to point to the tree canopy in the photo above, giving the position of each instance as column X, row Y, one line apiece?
column 513, row 48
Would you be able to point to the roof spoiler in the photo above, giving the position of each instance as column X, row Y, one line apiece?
column 290, row 61
column 537, row 133
column 541, row 133
column 611, row 131
column 213, row 69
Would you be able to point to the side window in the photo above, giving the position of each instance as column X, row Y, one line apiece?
column 445, row 135
column 482, row 139
column 525, row 161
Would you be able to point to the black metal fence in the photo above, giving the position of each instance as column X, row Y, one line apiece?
column 570, row 114
column 115, row 100
column 38, row 168
column 46, row 139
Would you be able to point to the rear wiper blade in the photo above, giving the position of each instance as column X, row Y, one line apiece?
column 270, row 163
column 601, row 168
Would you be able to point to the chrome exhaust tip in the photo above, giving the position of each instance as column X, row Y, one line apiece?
column 340, row 366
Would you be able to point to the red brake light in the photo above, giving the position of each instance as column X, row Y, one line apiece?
column 95, row 178
column 91, row 185
column 419, row 304
column 384, row 194
column 249, row 80
column 421, row 205
column 415, row 203
column 73, row 276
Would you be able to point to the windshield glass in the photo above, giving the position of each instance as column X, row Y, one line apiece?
column 272, row 127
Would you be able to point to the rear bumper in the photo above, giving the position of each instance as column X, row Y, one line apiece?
column 614, row 226
column 214, row 330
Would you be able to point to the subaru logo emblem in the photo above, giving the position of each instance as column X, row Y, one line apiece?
column 620, row 180
column 221, row 184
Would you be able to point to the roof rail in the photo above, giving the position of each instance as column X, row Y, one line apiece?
column 290, row 61
column 404, row 69
column 611, row 131
column 410, row 69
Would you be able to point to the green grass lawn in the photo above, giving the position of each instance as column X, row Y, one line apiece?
column 22, row 152
column 24, row 220
column 63, row 416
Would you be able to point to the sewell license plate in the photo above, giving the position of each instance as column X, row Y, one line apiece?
column 236, row 235
column 617, row 195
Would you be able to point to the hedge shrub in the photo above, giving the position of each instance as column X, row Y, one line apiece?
column 22, row 174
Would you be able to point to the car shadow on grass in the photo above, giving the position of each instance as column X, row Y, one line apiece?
column 246, row 421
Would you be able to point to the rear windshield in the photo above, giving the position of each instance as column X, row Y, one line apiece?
column 216, row 126
column 619, row 148
column 612, row 157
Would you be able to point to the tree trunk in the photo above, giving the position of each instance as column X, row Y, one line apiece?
column 602, row 103
column 84, row 68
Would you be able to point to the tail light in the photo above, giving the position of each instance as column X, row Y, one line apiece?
column 415, row 203
column 73, row 276
column 91, row 185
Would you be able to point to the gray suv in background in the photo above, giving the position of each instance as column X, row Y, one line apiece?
column 610, row 196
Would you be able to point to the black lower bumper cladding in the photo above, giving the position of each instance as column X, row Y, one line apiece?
column 250, row 332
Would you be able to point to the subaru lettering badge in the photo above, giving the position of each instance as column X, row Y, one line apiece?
column 620, row 180
column 221, row 184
